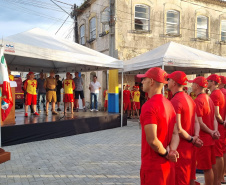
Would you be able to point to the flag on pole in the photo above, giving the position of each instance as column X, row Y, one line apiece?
column 7, row 99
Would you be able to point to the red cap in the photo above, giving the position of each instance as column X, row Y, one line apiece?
column 223, row 79
column 127, row 85
column 68, row 73
column 200, row 80
column 156, row 74
column 179, row 77
column 214, row 77
column 30, row 73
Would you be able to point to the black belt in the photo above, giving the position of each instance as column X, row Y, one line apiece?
column 50, row 89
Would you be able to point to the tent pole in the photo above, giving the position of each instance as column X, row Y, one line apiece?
column 122, row 101
column 163, row 89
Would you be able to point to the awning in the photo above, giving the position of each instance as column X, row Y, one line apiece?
column 36, row 50
column 174, row 56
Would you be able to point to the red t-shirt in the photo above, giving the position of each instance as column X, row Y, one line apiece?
column 185, row 106
column 126, row 96
column 157, row 110
column 170, row 95
column 223, row 90
column 205, row 109
column 218, row 99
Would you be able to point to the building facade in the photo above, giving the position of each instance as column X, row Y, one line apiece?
column 142, row 25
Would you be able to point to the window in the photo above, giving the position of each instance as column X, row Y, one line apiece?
column 142, row 17
column 92, row 27
column 202, row 27
column 223, row 30
column 82, row 34
column 105, row 18
column 173, row 22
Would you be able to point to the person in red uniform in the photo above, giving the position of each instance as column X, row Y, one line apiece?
column 185, row 89
column 219, row 108
column 30, row 87
column 188, row 128
column 223, row 90
column 131, row 100
column 159, row 132
column 205, row 114
column 105, row 100
column 127, row 100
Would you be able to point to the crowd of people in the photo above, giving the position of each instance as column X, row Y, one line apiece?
column 181, row 132
column 47, row 91
column 184, row 133
column 134, row 99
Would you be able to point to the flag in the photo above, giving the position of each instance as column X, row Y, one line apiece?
column 7, row 99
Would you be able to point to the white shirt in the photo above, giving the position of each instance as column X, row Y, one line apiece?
column 94, row 87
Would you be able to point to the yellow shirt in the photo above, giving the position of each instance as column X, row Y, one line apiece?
column 30, row 86
column 50, row 83
column 68, row 86
column 106, row 95
column 193, row 96
column 11, row 78
column 136, row 96
column 166, row 94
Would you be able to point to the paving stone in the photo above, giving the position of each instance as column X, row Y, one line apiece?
column 104, row 157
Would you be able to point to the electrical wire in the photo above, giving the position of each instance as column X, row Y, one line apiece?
column 55, row 22
column 60, row 7
column 62, row 25
column 63, row 3
column 34, row 4
column 22, row 9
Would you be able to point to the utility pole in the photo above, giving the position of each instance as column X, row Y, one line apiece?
column 112, row 29
column 74, row 15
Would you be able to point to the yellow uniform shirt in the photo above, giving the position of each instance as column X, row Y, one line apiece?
column 193, row 96
column 166, row 94
column 69, row 86
column 136, row 96
column 30, row 86
column 106, row 95
column 11, row 78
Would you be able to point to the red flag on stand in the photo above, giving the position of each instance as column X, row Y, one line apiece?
column 7, row 99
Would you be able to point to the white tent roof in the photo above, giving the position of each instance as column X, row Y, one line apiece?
column 37, row 50
column 176, row 56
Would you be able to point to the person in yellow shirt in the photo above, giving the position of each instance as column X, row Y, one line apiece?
column 136, row 101
column 106, row 100
column 68, row 86
column 11, row 77
column 30, row 86
column 132, row 91
column 50, row 86
column 193, row 96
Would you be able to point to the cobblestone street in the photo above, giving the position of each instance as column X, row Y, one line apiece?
column 104, row 157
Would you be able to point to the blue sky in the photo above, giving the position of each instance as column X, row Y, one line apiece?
column 18, row 16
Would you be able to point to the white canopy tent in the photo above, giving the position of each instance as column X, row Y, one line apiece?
column 36, row 50
column 173, row 56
